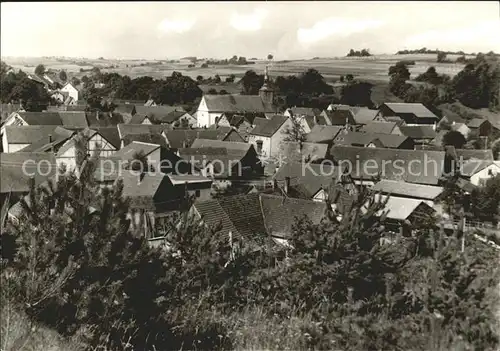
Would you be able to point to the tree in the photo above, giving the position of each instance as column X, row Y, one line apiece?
column 231, row 78
column 199, row 79
column 223, row 92
column 32, row 94
column 40, row 70
column 217, row 78
column 357, row 94
column 75, row 81
column 296, row 131
column 441, row 56
column 349, row 77
column 212, row 91
column 251, row 83
column 455, row 139
column 63, row 76
column 270, row 57
column 399, row 74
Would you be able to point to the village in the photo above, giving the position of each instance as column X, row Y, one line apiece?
column 267, row 147
column 250, row 176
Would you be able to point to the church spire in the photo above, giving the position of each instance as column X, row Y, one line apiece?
column 266, row 93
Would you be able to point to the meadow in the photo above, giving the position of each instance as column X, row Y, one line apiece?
column 372, row 68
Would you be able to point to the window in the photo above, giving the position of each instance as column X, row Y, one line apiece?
column 259, row 146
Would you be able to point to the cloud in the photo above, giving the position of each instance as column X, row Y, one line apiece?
column 456, row 38
column 335, row 26
column 175, row 26
column 248, row 22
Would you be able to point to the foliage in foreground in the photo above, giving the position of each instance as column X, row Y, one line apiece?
column 80, row 268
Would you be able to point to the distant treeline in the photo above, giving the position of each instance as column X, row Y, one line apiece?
column 436, row 51
column 362, row 53
column 235, row 60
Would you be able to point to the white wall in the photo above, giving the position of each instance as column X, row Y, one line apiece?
column 154, row 159
column 266, row 144
column 278, row 137
column 72, row 91
column 15, row 147
column 106, row 148
column 68, row 158
column 489, row 172
column 204, row 117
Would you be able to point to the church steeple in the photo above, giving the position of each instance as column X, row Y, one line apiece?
column 266, row 93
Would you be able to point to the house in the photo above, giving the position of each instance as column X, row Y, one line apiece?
column 183, row 138
column 153, row 194
column 256, row 217
column 349, row 138
column 16, row 138
column 449, row 118
column 393, row 141
column 163, row 114
column 323, row 134
column 411, row 113
column 33, row 119
column 150, row 102
column 223, row 160
column 421, row 134
column 430, row 194
column 339, row 117
column 7, row 109
column 74, row 119
column 51, row 142
column 18, row 169
column 302, row 151
column 243, row 123
column 306, row 115
column 478, row 172
column 131, row 130
column 461, row 128
column 377, row 127
column 413, row 166
column 213, row 106
column 102, row 141
column 311, row 181
column 152, row 152
column 127, row 111
column 72, row 91
column 363, row 115
column 140, row 119
column 403, row 214
column 266, row 137
column 480, row 127
column 60, row 96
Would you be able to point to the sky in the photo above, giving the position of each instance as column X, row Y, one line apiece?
column 287, row 30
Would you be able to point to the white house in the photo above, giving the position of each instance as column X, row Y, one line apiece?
column 266, row 137
column 67, row 153
column 213, row 106
column 71, row 90
column 479, row 171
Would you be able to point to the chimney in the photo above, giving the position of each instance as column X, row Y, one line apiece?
column 50, row 138
column 287, row 184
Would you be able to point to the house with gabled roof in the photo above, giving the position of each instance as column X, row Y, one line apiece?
column 339, row 117
column 479, row 127
column 349, row 138
column 154, row 130
column 16, row 138
column 413, row 166
column 256, row 217
column 223, row 159
column 7, row 109
column 430, row 194
column 477, row 172
column 303, row 151
column 127, row 111
column 268, row 135
column 102, row 140
column 378, row 127
column 411, row 113
column 421, row 134
column 72, row 91
column 323, row 134
column 307, row 116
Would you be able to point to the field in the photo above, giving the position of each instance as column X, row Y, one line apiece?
column 372, row 69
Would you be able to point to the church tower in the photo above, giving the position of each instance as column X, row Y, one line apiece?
column 266, row 93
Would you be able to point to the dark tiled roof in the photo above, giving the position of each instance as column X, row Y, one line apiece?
column 236, row 103
column 418, row 132
column 125, row 109
column 364, row 115
column 323, row 134
column 280, row 213
column 339, row 117
column 471, row 167
column 59, row 136
column 177, row 138
column 310, row 177
column 304, row 111
column 137, row 119
column 419, row 191
column 41, row 118
column 269, row 128
column 16, row 179
column 475, row 154
column 354, row 138
column 127, row 153
column 163, row 114
column 476, row 122
column 110, row 134
column 379, row 127
column 391, row 140
column 295, row 151
column 74, row 119
column 28, row 134
column 414, row 166
column 145, row 138
column 418, row 109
